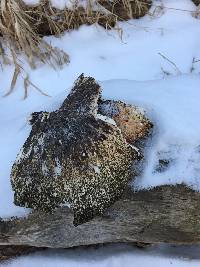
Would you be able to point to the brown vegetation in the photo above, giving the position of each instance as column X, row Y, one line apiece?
column 22, row 28
column 196, row 2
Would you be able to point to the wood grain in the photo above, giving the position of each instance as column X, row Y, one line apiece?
column 165, row 214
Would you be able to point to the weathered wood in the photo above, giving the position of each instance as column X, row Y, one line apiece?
column 169, row 214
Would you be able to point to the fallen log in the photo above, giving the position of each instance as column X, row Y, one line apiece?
column 165, row 214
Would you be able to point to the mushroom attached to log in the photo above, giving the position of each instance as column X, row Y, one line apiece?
column 73, row 156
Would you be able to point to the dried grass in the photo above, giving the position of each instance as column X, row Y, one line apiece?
column 196, row 2
column 126, row 9
column 103, row 12
column 22, row 28
column 50, row 20
column 19, row 35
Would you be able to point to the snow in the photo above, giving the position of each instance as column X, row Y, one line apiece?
column 60, row 4
column 113, row 256
column 155, row 66
column 95, row 168
column 31, row 2
column 173, row 104
column 106, row 119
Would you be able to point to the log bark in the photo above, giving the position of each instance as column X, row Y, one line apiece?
column 165, row 214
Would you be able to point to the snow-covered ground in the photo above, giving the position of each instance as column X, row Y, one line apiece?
column 155, row 65
column 113, row 256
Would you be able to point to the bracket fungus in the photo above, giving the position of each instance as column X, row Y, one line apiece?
column 74, row 156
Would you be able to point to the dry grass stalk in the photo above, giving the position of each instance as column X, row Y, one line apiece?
column 18, row 31
column 196, row 2
column 19, row 35
column 126, row 9
column 22, row 28
column 178, row 72
column 50, row 20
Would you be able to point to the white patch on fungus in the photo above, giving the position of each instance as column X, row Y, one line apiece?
column 106, row 119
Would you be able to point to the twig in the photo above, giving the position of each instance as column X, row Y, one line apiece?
column 171, row 62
